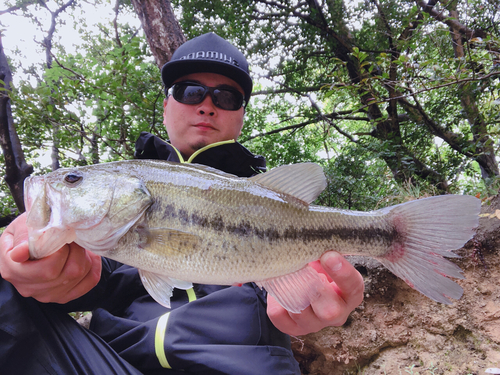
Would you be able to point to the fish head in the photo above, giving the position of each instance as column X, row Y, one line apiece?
column 91, row 206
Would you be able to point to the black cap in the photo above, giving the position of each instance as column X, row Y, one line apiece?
column 208, row 53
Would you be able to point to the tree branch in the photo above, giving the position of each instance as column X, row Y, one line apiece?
column 6, row 220
column 163, row 32
column 16, row 168
column 451, row 83
column 115, row 24
column 451, row 22
column 23, row 6
column 331, row 123
column 333, row 115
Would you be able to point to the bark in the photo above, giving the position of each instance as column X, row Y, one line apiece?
column 16, row 168
column 163, row 32
column 94, row 149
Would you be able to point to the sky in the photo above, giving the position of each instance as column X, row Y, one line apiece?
column 20, row 34
column 17, row 32
column 21, row 39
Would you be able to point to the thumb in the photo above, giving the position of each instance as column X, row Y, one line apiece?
column 20, row 253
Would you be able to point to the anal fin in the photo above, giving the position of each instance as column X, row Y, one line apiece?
column 296, row 290
column 160, row 287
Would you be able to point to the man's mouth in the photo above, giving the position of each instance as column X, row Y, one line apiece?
column 204, row 126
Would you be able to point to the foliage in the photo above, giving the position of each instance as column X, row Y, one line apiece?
column 89, row 106
column 7, row 206
column 385, row 80
column 100, row 99
column 386, row 95
column 100, row 102
column 355, row 183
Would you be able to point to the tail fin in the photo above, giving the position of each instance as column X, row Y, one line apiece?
column 433, row 227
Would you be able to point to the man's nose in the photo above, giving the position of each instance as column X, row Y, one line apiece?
column 207, row 106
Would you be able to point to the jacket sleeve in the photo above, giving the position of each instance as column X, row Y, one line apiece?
column 225, row 332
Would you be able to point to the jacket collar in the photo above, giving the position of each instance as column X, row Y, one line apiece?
column 228, row 156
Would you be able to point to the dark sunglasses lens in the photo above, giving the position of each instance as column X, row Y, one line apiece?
column 228, row 99
column 189, row 94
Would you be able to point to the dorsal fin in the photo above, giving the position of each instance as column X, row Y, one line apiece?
column 304, row 181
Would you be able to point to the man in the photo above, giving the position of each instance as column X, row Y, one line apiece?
column 210, row 329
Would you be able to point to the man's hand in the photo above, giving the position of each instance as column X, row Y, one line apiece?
column 342, row 292
column 61, row 277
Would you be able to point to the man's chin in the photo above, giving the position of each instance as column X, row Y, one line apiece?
column 193, row 147
column 199, row 145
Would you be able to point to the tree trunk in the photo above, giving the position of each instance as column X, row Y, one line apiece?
column 484, row 150
column 16, row 168
column 388, row 130
column 163, row 32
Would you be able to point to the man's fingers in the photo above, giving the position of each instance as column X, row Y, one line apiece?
column 14, row 235
column 280, row 317
column 47, row 269
column 20, row 253
column 289, row 323
column 18, row 229
column 294, row 324
column 61, row 277
column 328, row 308
column 79, row 275
column 82, row 270
column 339, row 292
column 348, row 281
column 79, row 287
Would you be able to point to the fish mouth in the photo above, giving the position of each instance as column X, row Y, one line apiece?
column 46, row 234
column 34, row 186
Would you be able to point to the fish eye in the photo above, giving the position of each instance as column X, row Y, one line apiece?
column 72, row 178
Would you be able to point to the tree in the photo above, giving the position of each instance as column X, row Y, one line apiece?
column 390, row 76
column 16, row 167
column 105, row 98
column 364, row 89
column 162, row 30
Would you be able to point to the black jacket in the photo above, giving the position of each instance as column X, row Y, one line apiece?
column 210, row 329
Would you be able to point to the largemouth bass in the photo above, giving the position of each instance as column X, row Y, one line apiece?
column 182, row 223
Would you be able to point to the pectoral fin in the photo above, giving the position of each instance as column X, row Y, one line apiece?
column 160, row 287
column 294, row 291
column 169, row 240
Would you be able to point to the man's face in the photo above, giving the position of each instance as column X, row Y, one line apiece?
column 193, row 126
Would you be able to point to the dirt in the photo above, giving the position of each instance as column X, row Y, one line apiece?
column 396, row 330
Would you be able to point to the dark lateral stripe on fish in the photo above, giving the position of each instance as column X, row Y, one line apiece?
column 246, row 229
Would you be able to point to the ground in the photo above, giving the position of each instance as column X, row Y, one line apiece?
column 396, row 330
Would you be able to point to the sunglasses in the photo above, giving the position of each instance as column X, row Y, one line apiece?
column 194, row 93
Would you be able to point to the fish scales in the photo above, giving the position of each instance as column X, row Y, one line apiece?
column 185, row 222
column 247, row 232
